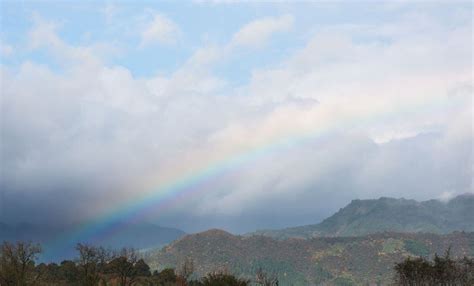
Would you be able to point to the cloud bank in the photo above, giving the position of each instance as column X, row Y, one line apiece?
column 367, row 111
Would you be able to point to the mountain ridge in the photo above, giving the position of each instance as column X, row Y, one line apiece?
column 362, row 217
column 360, row 260
column 358, row 245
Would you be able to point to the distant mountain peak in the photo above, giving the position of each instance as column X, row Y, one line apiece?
column 215, row 232
column 465, row 196
column 361, row 217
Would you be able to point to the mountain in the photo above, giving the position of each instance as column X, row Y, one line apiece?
column 362, row 217
column 323, row 260
column 139, row 236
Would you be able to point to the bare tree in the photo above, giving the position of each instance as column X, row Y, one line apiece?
column 186, row 269
column 264, row 279
column 17, row 263
column 89, row 263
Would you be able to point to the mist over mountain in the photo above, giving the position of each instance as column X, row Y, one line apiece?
column 358, row 218
column 357, row 245
column 362, row 217
column 138, row 236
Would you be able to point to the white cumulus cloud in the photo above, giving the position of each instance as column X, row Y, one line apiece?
column 159, row 30
column 258, row 32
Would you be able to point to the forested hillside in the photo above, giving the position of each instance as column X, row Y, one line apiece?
column 334, row 260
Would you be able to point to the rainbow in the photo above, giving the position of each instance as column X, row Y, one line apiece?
column 168, row 195
column 192, row 184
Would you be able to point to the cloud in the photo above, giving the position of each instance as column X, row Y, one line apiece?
column 339, row 118
column 258, row 32
column 251, row 35
column 159, row 30
column 43, row 35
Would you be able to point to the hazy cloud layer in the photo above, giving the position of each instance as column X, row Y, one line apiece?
column 386, row 110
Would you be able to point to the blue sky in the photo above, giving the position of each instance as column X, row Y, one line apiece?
column 200, row 23
column 119, row 24
column 106, row 101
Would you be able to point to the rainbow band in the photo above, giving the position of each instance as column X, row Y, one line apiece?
column 167, row 195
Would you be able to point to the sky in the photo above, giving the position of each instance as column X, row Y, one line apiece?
column 233, row 115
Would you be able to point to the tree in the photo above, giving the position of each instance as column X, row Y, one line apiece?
column 94, row 266
column 123, row 266
column 186, row 269
column 166, row 277
column 90, row 263
column 223, row 279
column 68, row 272
column 466, row 271
column 440, row 271
column 48, row 273
column 415, row 271
column 142, row 269
column 264, row 279
column 17, row 263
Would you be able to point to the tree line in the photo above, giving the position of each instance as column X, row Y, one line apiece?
column 442, row 270
column 97, row 266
